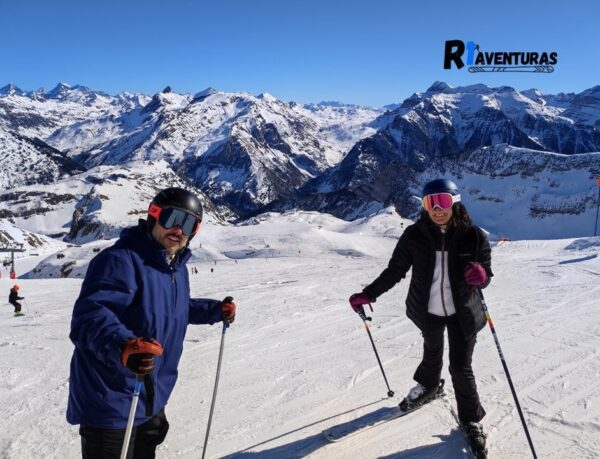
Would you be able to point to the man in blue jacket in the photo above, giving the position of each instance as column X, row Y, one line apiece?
column 130, row 319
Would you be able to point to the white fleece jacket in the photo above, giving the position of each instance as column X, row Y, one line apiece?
column 440, row 295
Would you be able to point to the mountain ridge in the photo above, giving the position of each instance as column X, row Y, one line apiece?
column 252, row 154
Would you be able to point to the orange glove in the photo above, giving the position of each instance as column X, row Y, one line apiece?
column 138, row 355
column 228, row 309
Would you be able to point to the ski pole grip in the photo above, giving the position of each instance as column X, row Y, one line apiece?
column 364, row 317
column 226, row 322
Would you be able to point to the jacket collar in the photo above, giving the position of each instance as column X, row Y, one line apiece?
column 456, row 229
column 138, row 239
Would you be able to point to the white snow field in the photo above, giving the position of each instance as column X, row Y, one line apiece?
column 297, row 359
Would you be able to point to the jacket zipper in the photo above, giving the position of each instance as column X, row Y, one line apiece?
column 174, row 282
column 174, row 287
column 442, row 278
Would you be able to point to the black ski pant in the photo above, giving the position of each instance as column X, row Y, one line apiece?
column 429, row 370
column 107, row 443
column 17, row 306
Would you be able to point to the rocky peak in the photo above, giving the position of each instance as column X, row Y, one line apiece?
column 438, row 86
column 10, row 90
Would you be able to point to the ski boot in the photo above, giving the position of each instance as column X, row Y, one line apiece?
column 476, row 438
column 419, row 396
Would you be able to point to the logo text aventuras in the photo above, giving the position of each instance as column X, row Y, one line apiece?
column 480, row 60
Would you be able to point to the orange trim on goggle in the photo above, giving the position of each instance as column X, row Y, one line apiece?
column 169, row 217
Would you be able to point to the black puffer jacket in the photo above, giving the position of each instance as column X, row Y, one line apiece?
column 14, row 296
column 416, row 248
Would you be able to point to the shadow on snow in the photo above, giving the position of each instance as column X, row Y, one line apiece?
column 451, row 446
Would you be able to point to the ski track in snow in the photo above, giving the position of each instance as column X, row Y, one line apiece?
column 297, row 360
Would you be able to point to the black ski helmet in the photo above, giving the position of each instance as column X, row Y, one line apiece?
column 440, row 185
column 178, row 198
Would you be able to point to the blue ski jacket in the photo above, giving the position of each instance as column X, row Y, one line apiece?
column 129, row 290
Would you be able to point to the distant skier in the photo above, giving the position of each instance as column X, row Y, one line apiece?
column 450, row 258
column 131, row 319
column 13, row 298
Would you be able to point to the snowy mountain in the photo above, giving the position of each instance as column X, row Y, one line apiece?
column 252, row 154
column 585, row 107
column 95, row 204
column 538, row 195
column 466, row 118
column 37, row 114
column 244, row 151
column 439, row 129
column 344, row 124
column 27, row 161
column 28, row 118
column 525, row 194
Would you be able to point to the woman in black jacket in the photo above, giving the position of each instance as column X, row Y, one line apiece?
column 450, row 258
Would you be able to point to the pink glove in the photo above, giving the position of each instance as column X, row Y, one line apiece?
column 475, row 275
column 358, row 300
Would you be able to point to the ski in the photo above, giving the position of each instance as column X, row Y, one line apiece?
column 475, row 453
column 376, row 418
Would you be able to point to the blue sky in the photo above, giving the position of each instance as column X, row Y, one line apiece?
column 371, row 52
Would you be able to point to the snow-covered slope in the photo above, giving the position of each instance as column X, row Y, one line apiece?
column 524, row 194
column 585, row 107
column 26, row 162
column 297, row 360
column 513, row 192
column 343, row 124
column 32, row 244
column 292, row 234
column 95, row 204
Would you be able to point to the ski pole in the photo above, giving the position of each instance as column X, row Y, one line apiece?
column 139, row 379
column 364, row 317
column 510, row 383
column 214, row 397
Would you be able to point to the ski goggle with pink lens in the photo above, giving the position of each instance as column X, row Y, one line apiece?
column 171, row 217
column 442, row 200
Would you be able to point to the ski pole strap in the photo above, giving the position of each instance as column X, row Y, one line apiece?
column 149, row 386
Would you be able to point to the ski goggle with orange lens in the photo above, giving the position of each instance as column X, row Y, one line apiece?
column 442, row 200
column 170, row 217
